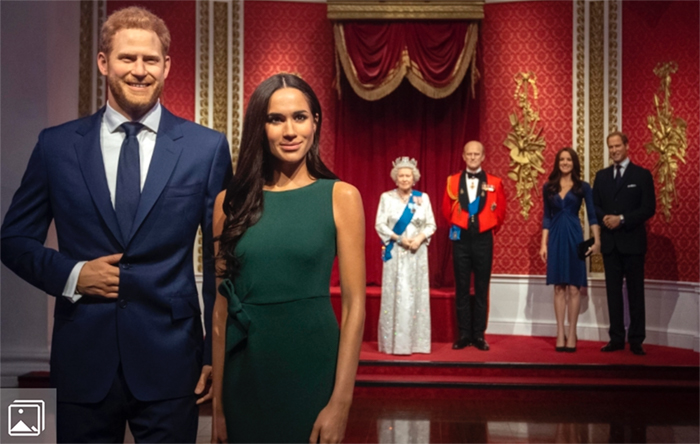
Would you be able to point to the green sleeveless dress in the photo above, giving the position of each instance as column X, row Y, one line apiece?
column 282, row 335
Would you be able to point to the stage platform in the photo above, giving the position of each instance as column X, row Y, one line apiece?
column 523, row 366
column 514, row 362
column 526, row 362
column 442, row 312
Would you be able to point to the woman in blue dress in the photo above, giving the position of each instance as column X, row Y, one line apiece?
column 561, row 234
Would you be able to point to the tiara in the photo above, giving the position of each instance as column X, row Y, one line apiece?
column 404, row 162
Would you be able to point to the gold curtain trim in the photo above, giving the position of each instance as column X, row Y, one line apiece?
column 366, row 91
column 406, row 68
column 466, row 59
column 405, row 10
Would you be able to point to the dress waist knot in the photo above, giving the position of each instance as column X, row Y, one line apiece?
column 238, row 320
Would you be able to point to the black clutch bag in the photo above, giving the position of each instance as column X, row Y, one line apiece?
column 583, row 248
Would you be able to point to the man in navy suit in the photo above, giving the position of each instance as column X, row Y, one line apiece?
column 127, row 188
column 624, row 199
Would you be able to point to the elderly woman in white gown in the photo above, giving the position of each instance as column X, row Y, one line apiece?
column 405, row 223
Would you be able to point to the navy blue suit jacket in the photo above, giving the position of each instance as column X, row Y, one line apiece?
column 634, row 199
column 153, row 329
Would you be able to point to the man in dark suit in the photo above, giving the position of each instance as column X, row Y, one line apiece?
column 127, row 188
column 475, row 205
column 623, row 195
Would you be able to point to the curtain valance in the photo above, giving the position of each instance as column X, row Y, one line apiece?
column 434, row 56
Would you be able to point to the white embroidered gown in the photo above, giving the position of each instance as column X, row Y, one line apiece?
column 404, row 318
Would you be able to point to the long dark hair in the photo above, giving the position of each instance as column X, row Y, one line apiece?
column 243, row 204
column 553, row 186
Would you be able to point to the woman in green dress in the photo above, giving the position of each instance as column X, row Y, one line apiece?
column 282, row 369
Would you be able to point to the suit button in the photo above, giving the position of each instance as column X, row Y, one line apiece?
column 125, row 265
column 122, row 303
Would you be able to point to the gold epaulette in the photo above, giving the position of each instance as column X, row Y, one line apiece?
column 452, row 196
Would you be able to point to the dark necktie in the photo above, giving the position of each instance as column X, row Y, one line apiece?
column 128, row 190
column 472, row 175
column 618, row 175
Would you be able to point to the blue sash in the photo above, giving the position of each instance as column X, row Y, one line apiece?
column 401, row 224
column 474, row 206
column 455, row 231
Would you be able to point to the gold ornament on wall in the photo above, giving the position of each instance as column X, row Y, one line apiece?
column 668, row 139
column 525, row 142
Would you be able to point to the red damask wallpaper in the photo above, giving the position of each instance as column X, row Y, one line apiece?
column 654, row 32
column 522, row 37
column 515, row 37
column 297, row 38
column 178, row 94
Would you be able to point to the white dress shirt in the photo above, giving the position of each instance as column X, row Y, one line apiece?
column 623, row 167
column 111, row 138
column 472, row 184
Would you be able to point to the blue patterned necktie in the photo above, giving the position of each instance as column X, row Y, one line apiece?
column 128, row 190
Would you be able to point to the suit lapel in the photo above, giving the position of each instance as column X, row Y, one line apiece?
column 483, row 180
column 93, row 169
column 165, row 156
column 463, row 195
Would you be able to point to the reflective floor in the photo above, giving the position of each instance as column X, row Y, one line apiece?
column 579, row 418
column 517, row 417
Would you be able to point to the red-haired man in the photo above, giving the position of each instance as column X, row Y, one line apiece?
column 128, row 188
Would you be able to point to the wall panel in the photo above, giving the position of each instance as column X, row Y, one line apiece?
column 522, row 37
column 654, row 32
column 293, row 37
column 178, row 94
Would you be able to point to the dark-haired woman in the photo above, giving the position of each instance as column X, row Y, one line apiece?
column 561, row 234
column 282, row 370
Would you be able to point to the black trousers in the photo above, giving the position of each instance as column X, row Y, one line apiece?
column 629, row 267
column 171, row 420
column 472, row 253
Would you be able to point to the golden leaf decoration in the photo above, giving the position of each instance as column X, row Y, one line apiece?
column 668, row 139
column 525, row 142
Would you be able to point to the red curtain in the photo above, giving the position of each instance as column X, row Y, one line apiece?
column 433, row 55
column 371, row 134
column 375, row 49
column 436, row 48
